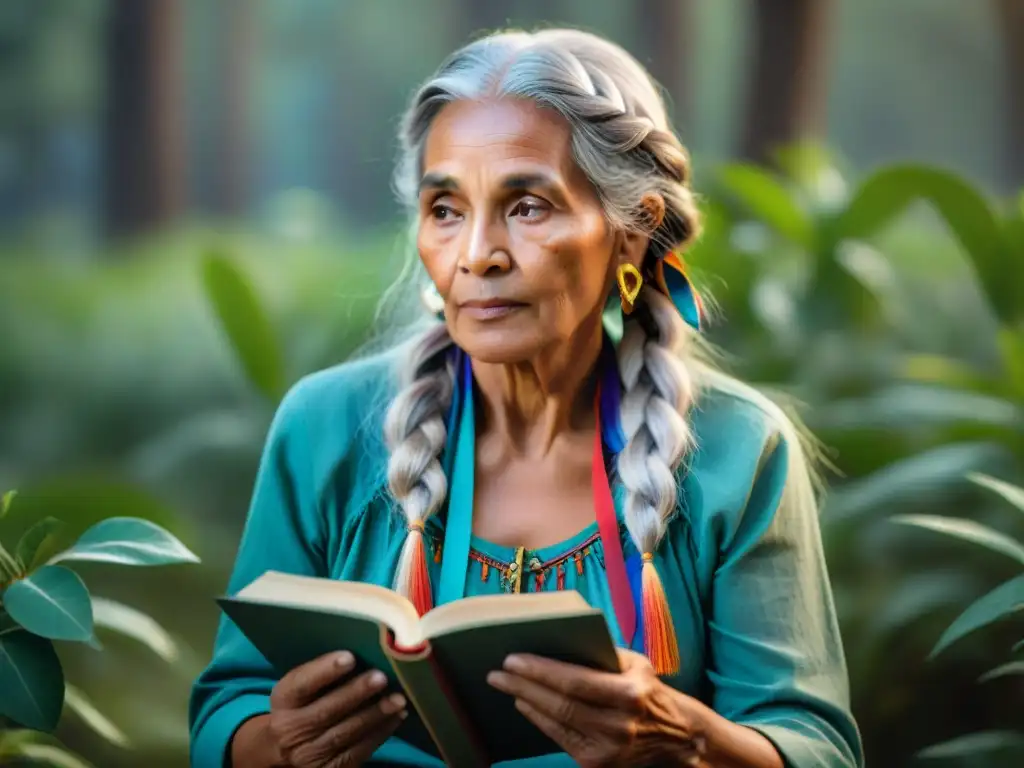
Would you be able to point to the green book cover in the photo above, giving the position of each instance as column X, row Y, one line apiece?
column 440, row 661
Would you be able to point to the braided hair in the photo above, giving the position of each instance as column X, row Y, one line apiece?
column 622, row 141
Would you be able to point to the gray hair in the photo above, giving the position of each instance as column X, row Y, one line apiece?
column 622, row 141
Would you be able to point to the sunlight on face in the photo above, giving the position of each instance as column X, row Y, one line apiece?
column 511, row 231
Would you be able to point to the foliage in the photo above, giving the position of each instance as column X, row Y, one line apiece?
column 42, row 601
column 1003, row 601
column 246, row 324
column 33, row 747
column 121, row 394
column 903, row 351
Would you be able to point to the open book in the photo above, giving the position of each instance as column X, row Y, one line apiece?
column 440, row 661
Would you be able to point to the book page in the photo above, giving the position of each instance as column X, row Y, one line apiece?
column 349, row 598
column 497, row 609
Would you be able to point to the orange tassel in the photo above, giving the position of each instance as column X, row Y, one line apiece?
column 418, row 588
column 437, row 552
column 659, row 632
column 485, row 571
column 560, row 578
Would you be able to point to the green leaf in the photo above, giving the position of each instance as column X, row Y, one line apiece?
column 923, row 475
column 201, row 440
column 32, row 680
column 5, row 503
column 127, row 541
column 812, row 167
column 48, row 754
column 1011, row 346
column 1012, row 493
column 78, row 703
column 909, row 406
column 974, row 744
column 765, row 197
column 936, row 369
column 1009, row 668
column 1005, row 599
column 706, row 253
column 885, row 195
column 1018, row 646
column 967, row 530
column 82, row 500
column 135, row 624
column 246, row 325
column 13, row 739
column 915, row 597
column 35, row 545
column 52, row 602
column 9, row 568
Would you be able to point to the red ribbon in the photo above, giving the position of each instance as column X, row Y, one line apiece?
column 608, row 526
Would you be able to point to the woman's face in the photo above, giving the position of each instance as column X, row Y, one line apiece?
column 511, row 231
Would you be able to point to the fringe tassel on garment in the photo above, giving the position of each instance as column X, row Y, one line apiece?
column 659, row 632
column 413, row 577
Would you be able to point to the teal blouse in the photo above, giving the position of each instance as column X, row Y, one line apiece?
column 744, row 575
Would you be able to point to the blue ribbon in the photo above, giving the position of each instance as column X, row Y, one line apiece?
column 460, row 455
column 683, row 296
column 458, row 529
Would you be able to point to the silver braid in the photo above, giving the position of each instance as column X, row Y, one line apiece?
column 658, row 393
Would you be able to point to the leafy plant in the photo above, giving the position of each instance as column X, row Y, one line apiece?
column 43, row 600
column 825, row 285
column 25, row 745
column 245, row 323
column 892, row 309
column 1008, row 597
column 1005, row 600
column 818, row 288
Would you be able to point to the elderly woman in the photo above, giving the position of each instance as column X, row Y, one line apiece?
column 559, row 417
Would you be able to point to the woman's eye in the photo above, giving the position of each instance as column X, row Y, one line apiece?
column 529, row 209
column 442, row 212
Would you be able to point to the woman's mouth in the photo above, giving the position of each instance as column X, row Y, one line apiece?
column 490, row 309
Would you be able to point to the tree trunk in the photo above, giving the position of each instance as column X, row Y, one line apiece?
column 666, row 41
column 786, row 98
column 1010, row 17
column 231, row 172
column 144, row 132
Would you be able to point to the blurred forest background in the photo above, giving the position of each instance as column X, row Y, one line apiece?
column 195, row 210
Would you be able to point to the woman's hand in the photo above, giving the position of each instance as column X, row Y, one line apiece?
column 320, row 719
column 605, row 719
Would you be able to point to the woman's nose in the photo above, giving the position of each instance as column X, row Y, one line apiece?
column 486, row 250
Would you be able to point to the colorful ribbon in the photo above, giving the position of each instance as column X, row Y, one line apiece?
column 634, row 588
column 460, row 463
column 675, row 283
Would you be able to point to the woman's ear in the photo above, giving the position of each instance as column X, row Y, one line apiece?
column 652, row 211
column 633, row 243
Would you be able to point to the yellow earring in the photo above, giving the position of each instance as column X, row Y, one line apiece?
column 627, row 274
